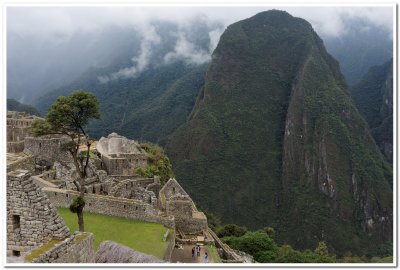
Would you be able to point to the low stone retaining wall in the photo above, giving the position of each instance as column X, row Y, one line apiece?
column 228, row 253
column 39, row 181
column 108, row 205
column 171, row 246
column 24, row 163
column 77, row 248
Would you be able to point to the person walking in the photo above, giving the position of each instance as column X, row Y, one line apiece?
column 192, row 252
column 206, row 257
column 198, row 251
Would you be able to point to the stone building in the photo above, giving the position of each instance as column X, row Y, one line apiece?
column 18, row 124
column 31, row 219
column 121, row 156
column 47, row 148
column 177, row 203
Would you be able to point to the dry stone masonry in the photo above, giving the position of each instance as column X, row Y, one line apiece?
column 31, row 219
column 121, row 156
column 18, row 124
column 41, row 178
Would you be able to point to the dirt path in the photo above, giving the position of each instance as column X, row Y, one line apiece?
column 184, row 255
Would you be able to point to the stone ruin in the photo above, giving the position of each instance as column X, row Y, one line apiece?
column 112, row 188
column 18, row 124
column 111, row 252
column 121, row 156
column 31, row 219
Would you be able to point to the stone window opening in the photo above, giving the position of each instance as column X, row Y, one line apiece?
column 40, row 145
column 55, row 193
column 173, row 190
column 66, row 195
column 16, row 253
column 16, row 222
column 124, row 206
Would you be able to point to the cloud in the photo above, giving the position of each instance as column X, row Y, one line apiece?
column 140, row 62
column 50, row 20
column 187, row 51
column 337, row 21
column 56, row 24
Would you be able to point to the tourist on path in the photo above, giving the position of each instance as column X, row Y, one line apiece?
column 192, row 252
column 206, row 257
column 198, row 251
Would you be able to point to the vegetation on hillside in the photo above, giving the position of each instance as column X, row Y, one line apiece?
column 373, row 96
column 262, row 245
column 13, row 105
column 148, row 107
column 158, row 163
column 275, row 128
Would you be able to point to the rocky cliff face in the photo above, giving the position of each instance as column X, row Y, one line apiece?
column 373, row 97
column 275, row 140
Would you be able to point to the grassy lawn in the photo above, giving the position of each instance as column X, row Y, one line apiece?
column 142, row 236
column 214, row 254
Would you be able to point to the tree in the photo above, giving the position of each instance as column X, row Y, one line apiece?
column 68, row 116
column 231, row 230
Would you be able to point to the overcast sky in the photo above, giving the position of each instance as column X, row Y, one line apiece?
column 327, row 21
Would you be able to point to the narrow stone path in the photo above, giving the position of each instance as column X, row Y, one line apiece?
column 184, row 255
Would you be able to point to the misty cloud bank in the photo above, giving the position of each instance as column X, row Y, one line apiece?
column 37, row 30
column 183, row 50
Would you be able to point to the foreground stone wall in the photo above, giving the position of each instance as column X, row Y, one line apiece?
column 77, row 248
column 31, row 219
column 108, row 205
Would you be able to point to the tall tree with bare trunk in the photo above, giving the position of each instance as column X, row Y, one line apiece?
column 69, row 116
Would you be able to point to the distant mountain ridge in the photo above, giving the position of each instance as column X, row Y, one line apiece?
column 13, row 105
column 275, row 140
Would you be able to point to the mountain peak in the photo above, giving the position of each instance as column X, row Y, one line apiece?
column 275, row 128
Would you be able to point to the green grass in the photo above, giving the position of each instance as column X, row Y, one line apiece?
column 39, row 251
column 142, row 236
column 214, row 254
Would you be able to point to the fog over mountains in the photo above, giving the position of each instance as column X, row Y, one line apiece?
column 51, row 47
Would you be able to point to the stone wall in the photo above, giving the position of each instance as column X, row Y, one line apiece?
column 172, row 188
column 77, row 248
column 227, row 252
column 47, row 148
column 126, row 165
column 187, row 218
column 108, row 205
column 15, row 147
column 31, row 219
column 22, row 162
column 135, row 189
column 40, row 182
column 171, row 246
column 18, row 124
column 121, row 156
